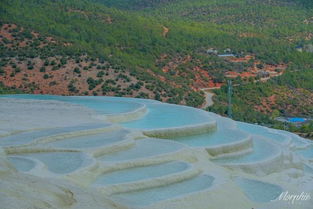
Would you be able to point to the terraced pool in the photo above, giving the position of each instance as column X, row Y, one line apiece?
column 149, row 196
column 121, row 161
column 259, row 191
column 144, row 148
column 218, row 137
column 58, row 162
column 262, row 150
column 140, row 173
column 29, row 136
column 306, row 153
column 168, row 116
column 262, row 131
column 22, row 164
column 94, row 140
column 103, row 106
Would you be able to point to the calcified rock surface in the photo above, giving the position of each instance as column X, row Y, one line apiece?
column 17, row 115
column 105, row 152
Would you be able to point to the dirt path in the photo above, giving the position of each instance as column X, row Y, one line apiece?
column 165, row 31
column 208, row 97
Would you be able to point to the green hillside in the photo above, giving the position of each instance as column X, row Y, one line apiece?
column 134, row 35
column 159, row 45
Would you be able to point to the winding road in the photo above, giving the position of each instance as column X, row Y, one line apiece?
column 208, row 97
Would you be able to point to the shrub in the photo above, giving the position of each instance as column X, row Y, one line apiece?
column 72, row 88
column 76, row 70
column 52, row 83
column 17, row 70
column 100, row 74
column 42, row 69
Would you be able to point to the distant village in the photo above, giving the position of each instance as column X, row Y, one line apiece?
column 259, row 71
column 305, row 48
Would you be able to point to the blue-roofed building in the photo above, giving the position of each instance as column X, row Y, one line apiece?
column 297, row 120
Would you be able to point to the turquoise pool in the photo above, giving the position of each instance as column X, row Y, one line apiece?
column 144, row 148
column 168, row 116
column 100, row 104
column 90, row 141
column 263, row 131
column 140, row 173
column 22, row 164
column 29, row 136
column 308, row 169
column 150, row 196
column 262, row 150
column 306, row 153
column 218, row 137
column 259, row 191
column 60, row 162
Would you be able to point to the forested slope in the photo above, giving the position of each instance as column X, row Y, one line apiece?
column 159, row 49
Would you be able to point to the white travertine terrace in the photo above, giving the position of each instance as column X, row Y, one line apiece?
column 120, row 153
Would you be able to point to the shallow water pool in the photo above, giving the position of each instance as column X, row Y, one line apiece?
column 60, row 162
column 29, row 136
column 144, row 148
column 21, row 164
column 140, row 173
column 149, row 196
column 100, row 105
column 169, row 116
column 263, row 131
column 259, row 191
column 262, row 150
column 218, row 137
column 90, row 141
column 306, row 153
